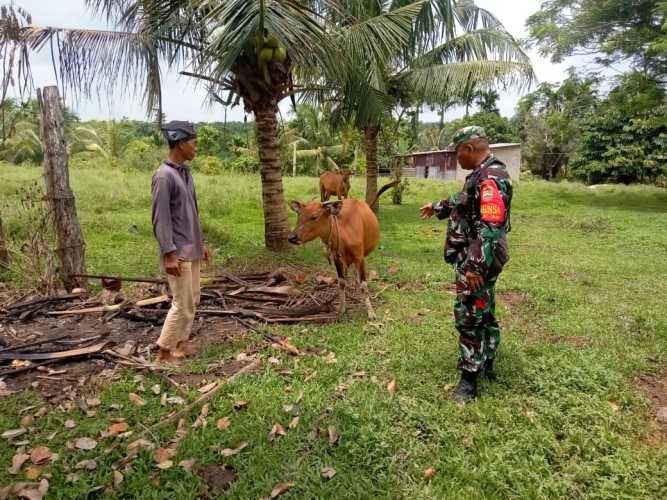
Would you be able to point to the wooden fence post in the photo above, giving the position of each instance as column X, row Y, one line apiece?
column 4, row 253
column 71, row 247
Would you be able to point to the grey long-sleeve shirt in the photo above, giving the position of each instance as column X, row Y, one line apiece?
column 175, row 215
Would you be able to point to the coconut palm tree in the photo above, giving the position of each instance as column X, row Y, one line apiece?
column 452, row 45
column 256, row 52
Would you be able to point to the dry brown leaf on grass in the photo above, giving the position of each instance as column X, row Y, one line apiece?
column 85, row 443
column 163, row 454
column 156, row 389
column 224, row 423
column 240, row 405
column 328, row 472
column 40, row 455
column 135, row 447
column 27, row 421
column 333, row 434
column 70, row 424
column 294, row 423
column 135, row 399
column 117, row 428
column 207, row 388
column 230, row 452
column 33, row 472
column 429, row 473
column 93, row 402
column 174, row 400
column 41, row 412
column 117, row 478
column 286, row 345
column 17, row 462
column 86, row 464
column 276, row 430
column 27, row 490
column 12, row 433
column 391, row 386
column 201, row 419
column 187, row 465
column 280, row 488
column 340, row 390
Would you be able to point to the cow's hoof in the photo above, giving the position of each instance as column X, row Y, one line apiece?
column 372, row 316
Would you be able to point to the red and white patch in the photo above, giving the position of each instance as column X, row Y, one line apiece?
column 492, row 206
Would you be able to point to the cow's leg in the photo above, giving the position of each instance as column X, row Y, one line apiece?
column 323, row 193
column 361, row 266
column 340, row 271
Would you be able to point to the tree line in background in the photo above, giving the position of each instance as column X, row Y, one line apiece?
column 363, row 72
column 364, row 58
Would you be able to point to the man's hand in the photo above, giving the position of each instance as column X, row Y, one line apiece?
column 426, row 211
column 172, row 264
column 474, row 281
column 207, row 256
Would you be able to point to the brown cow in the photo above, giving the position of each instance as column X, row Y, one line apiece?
column 337, row 183
column 350, row 231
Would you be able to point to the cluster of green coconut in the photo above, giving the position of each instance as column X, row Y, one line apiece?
column 268, row 50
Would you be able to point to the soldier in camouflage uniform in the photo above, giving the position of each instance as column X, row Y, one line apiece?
column 476, row 245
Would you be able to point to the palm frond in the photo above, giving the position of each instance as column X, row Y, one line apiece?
column 438, row 83
column 381, row 38
column 472, row 17
column 92, row 61
column 481, row 44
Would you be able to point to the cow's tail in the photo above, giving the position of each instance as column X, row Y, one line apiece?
column 382, row 190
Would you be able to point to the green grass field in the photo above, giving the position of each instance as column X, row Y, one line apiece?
column 583, row 313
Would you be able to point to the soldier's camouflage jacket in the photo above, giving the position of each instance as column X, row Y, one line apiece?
column 479, row 219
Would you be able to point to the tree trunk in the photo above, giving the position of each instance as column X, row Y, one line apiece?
column 4, row 253
column 371, row 142
column 276, row 225
column 71, row 247
column 294, row 160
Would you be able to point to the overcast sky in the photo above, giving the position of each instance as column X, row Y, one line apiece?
column 182, row 100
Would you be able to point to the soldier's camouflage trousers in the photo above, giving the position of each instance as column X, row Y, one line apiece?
column 474, row 317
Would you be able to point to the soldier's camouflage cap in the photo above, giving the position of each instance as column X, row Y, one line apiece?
column 466, row 134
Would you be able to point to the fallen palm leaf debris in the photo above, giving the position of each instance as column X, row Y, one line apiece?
column 95, row 333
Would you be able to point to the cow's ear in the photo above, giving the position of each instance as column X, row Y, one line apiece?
column 296, row 206
column 333, row 207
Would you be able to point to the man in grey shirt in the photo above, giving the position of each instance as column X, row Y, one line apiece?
column 178, row 231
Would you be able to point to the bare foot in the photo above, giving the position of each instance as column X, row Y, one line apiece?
column 185, row 348
column 166, row 357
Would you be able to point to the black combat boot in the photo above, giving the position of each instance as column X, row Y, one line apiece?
column 488, row 371
column 467, row 388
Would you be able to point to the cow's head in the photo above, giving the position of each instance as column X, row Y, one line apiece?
column 313, row 220
column 346, row 173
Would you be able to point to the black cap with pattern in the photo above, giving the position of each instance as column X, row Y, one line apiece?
column 177, row 130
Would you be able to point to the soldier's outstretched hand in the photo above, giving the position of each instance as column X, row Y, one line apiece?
column 426, row 211
column 474, row 281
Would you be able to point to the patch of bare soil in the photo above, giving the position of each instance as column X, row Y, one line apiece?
column 513, row 299
column 655, row 388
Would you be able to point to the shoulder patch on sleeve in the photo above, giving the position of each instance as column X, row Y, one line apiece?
column 492, row 206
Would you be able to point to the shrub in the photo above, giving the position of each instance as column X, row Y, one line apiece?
column 139, row 154
column 209, row 165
